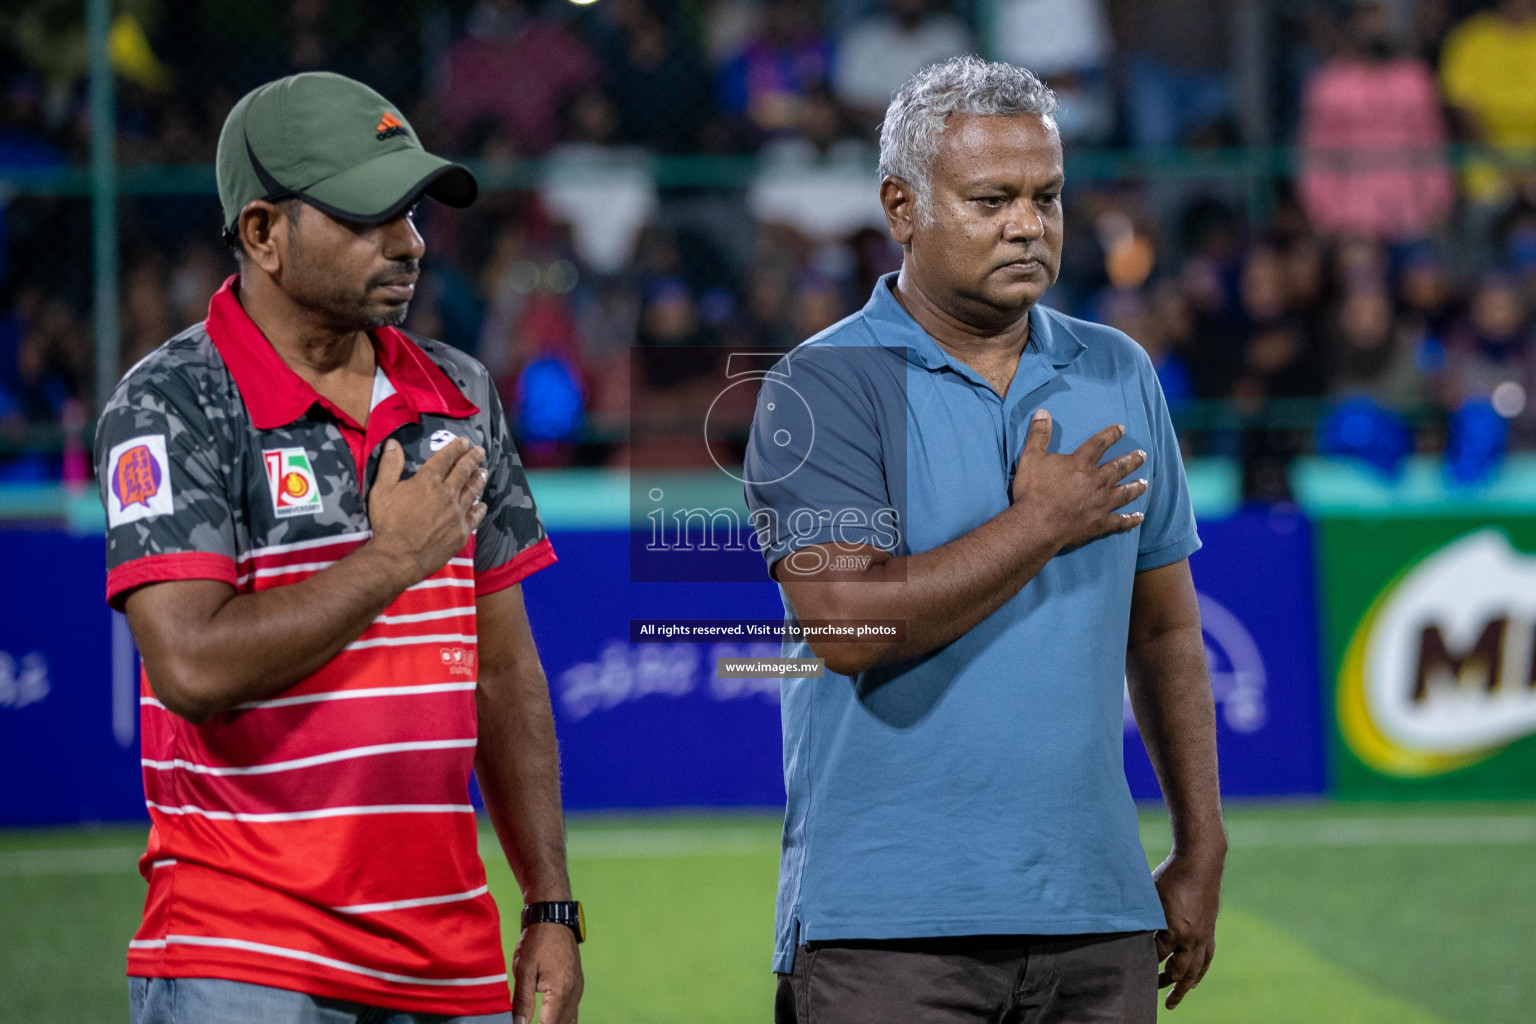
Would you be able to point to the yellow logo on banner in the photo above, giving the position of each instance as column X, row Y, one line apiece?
column 1441, row 672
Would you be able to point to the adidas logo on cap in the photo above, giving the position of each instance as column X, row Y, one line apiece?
column 389, row 126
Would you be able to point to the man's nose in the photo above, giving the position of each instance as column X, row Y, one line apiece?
column 1023, row 223
column 401, row 239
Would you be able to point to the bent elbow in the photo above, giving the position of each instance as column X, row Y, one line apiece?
column 176, row 688
column 185, row 706
column 842, row 602
column 196, row 714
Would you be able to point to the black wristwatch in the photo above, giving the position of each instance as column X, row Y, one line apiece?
column 566, row 912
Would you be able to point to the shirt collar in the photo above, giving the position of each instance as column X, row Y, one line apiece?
column 276, row 396
column 1046, row 333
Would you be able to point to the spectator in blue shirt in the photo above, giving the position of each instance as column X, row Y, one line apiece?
column 1000, row 485
column 767, row 82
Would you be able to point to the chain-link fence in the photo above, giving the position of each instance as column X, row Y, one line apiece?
column 1313, row 216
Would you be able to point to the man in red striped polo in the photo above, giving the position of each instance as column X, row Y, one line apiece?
column 317, row 525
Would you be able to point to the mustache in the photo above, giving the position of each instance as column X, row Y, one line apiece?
column 403, row 272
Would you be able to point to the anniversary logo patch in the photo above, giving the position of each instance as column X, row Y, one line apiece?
column 292, row 480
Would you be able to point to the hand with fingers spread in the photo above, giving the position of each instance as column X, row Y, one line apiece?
column 1189, row 886
column 546, row 962
column 425, row 520
column 1072, row 495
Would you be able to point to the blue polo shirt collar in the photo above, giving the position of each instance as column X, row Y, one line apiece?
column 895, row 326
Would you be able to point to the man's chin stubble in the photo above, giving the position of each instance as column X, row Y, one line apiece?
column 345, row 313
column 385, row 316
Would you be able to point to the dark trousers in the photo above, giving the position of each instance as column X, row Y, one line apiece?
column 996, row 979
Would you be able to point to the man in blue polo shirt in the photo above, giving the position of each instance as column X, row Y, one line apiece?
column 1002, row 480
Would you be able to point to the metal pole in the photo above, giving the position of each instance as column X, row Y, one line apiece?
column 1253, row 41
column 98, row 24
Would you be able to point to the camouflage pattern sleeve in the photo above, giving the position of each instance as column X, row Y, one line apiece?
column 162, row 483
column 511, row 543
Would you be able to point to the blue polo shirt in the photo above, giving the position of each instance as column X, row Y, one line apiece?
column 979, row 789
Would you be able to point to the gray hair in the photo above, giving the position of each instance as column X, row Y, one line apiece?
column 914, row 122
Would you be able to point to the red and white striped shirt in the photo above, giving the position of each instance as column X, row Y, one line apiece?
column 322, row 840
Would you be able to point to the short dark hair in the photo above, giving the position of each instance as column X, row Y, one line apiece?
column 290, row 207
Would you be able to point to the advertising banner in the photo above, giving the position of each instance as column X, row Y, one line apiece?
column 1430, row 627
column 1258, row 611
column 647, row 724
column 69, row 697
column 641, row 725
column 644, row 721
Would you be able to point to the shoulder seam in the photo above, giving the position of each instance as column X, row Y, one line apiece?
column 164, row 367
column 854, row 321
column 441, row 353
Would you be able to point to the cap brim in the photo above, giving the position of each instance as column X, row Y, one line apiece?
column 377, row 191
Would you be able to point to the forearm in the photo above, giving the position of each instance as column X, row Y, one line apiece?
column 938, row 594
column 518, row 765
column 255, row 646
column 1171, row 695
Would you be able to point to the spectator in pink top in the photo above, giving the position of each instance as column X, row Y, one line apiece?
column 509, row 79
column 1372, row 138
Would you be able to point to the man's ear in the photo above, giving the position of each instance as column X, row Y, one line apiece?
column 264, row 230
column 900, row 203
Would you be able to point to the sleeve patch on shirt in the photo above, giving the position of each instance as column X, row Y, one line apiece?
column 141, row 480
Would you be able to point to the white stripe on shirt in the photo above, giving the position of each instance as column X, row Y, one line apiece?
column 369, row 691
column 315, row 698
column 282, row 570
column 345, row 754
column 407, row 641
column 424, row 901
column 304, row 545
column 442, row 613
column 314, row 958
column 321, row 812
column 287, row 570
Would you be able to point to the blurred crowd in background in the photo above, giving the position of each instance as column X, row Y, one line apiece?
column 1310, row 200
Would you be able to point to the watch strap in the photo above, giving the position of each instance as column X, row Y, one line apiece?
column 566, row 912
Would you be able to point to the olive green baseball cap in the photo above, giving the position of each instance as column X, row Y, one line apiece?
column 334, row 143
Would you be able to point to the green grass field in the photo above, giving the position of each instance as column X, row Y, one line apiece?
column 1365, row 914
